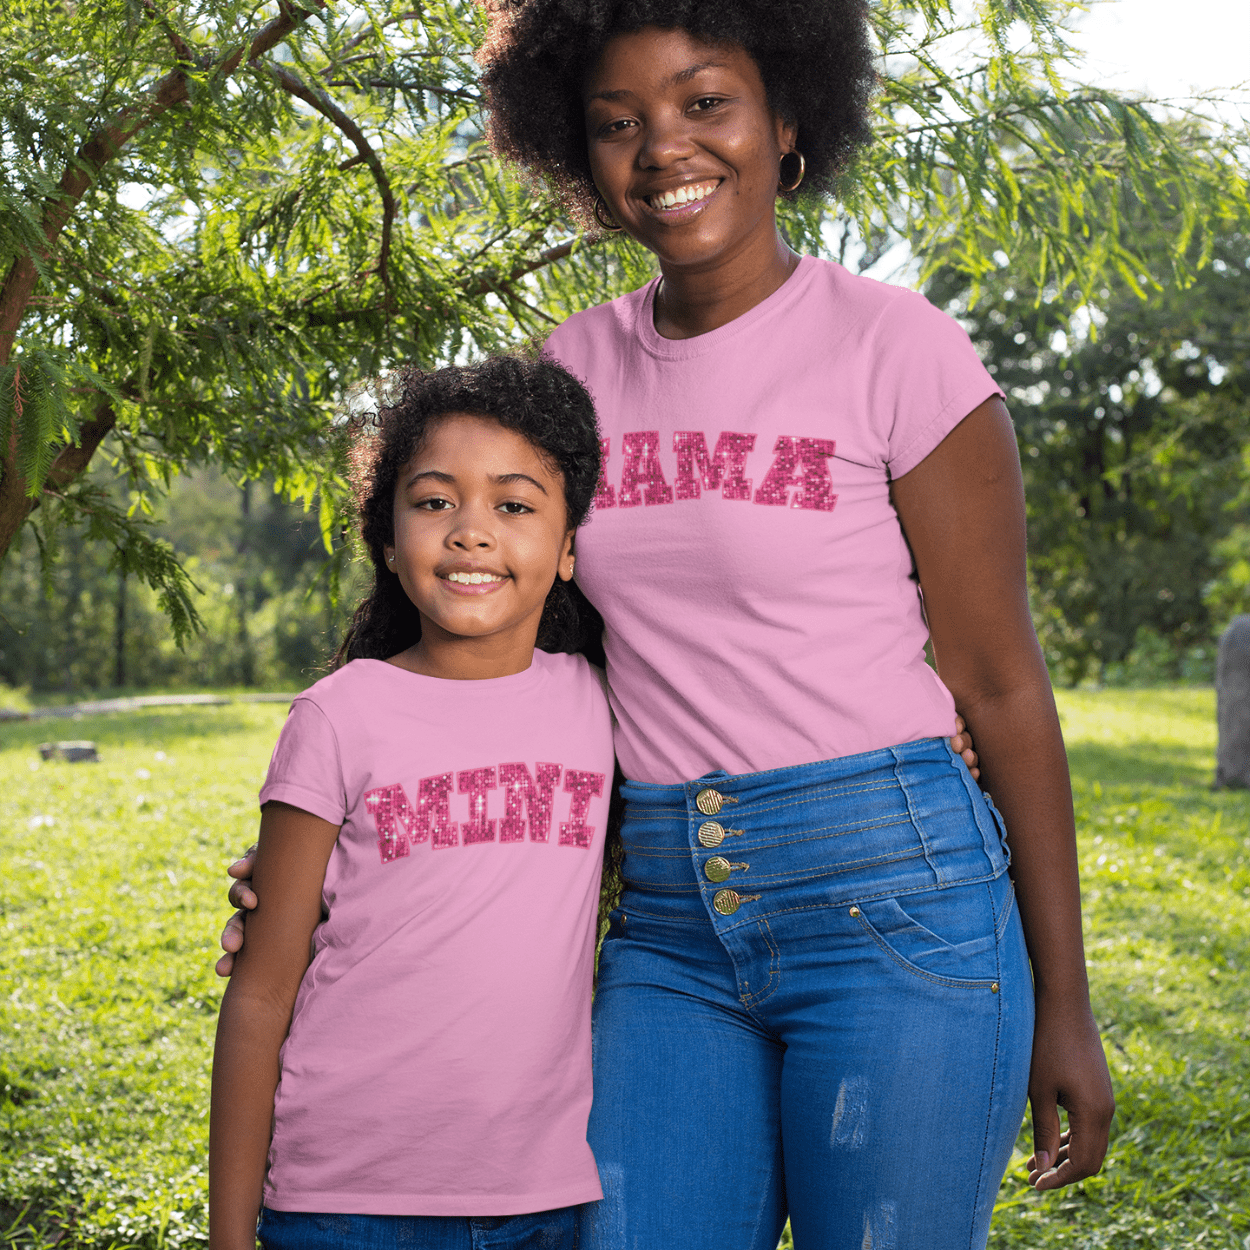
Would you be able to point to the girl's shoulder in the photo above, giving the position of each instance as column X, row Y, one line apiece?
column 356, row 680
column 575, row 671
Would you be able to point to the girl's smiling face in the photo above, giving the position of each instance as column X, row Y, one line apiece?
column 480, row 535
column 684, row 147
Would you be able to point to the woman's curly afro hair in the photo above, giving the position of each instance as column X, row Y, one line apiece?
column 538, row 399
column 815, row 57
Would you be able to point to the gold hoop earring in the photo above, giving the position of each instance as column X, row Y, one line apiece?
column 611, row 225
column 794, row 186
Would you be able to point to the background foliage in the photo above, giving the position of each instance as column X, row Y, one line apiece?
column 216, row 218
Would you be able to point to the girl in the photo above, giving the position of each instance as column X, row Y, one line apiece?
column 411, row 1015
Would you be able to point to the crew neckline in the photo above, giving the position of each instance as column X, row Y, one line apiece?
column 652, row 341
column 471, row 685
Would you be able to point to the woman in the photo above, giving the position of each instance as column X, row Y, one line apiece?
column 815, row 997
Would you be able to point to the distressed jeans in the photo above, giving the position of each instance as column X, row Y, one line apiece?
column 814, row 1001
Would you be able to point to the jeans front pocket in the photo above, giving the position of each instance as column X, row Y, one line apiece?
column 946, row 936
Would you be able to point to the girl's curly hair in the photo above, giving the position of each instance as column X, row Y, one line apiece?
column 815, row 57
column 538, row 399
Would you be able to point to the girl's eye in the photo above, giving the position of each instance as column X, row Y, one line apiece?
column 616, row 127
column 514, row 507
column 434, row 505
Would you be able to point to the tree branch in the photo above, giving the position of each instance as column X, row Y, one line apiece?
column 364, row 34
column 181, row 49
column 104, row 145
column 16, row 505
column 101, row 147
column 328, row 109
column 492, row 282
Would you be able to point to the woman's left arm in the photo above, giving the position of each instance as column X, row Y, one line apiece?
column 962, row 510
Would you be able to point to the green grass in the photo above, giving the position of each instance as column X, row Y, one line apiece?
column 109, row 916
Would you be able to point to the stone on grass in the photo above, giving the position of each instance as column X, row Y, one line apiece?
column 71, row 752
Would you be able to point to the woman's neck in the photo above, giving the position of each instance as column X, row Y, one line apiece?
column 694, row 300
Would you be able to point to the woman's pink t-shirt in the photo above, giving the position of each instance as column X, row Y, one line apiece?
column 760, row 599
column 438, row 1061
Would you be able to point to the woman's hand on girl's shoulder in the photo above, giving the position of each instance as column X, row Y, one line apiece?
column 1069, row 1070
column 242, row 897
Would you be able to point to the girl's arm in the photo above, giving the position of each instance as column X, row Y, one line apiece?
column 962, row 510
column 255, row 1014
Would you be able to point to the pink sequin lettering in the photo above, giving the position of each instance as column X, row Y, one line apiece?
column 475, row 782
column 723, row 469
column 434, row 810
column 801, row 462
column 642, row 468
column 605, row 495
column 399, row 825
column 395, row 820
column 583, row 787
column 519, row 788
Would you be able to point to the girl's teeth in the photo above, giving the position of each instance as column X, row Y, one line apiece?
column 472, row 579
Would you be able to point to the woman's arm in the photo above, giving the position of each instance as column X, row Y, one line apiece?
column 962, row 510
column 255, row 1014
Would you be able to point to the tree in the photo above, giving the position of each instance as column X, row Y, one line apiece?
column 1132, row 423
column 212, row 224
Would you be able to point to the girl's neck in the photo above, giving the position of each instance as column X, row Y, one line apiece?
column 463, row 659
column 697, row 299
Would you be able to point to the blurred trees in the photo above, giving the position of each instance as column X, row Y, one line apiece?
column 1133, row 426
column 266, row 609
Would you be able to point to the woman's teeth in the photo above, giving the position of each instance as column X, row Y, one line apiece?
column 473, row 579
column 682, row 195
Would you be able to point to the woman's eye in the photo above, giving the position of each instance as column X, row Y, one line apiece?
column 707, row 102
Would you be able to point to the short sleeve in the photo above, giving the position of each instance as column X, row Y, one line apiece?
column 927, row 378
column 306, row 770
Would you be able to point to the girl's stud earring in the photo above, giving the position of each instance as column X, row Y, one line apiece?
column 610, row 225
column 785, row 186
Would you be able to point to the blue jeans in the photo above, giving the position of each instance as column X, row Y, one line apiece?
column 814, row 1002
column 300, row 1230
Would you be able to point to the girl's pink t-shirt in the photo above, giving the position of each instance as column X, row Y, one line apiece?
column 760, row 601
column 438, row 1061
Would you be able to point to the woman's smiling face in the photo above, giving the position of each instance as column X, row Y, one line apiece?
column 684, row 147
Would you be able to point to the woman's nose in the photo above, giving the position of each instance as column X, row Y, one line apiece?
column 665, row 141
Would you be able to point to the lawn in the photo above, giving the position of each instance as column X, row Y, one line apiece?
column 111, row 902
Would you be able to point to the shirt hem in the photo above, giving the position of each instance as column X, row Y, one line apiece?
column 434, row 1204
column 960, row 405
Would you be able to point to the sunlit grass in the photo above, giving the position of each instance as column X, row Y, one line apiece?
column 112, row 899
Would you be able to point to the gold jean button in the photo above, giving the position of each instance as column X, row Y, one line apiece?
column 709, row 802
column 711, row 834
column 717, row 869
column 726, row 902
